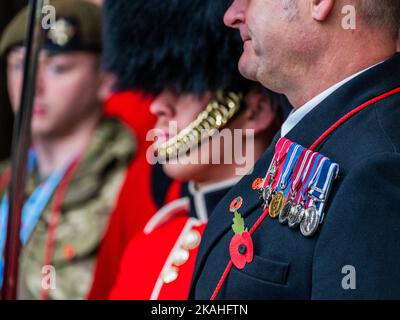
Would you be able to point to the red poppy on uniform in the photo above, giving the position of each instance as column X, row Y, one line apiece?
column 257, row 184
column 241, row 250
column 236, row 204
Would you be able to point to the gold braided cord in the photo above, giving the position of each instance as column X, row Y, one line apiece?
column 215, row 116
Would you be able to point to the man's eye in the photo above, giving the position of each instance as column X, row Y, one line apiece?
column 58, row 68
column 18, row 66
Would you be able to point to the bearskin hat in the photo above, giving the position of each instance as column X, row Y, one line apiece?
column 179, row 44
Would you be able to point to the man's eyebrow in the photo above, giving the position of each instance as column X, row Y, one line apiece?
column 50, row 54
column 18, row 50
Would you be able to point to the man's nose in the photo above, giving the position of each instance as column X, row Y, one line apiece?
column 235, row 15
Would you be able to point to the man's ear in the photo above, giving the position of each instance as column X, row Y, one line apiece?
column 260, row 113
column 106, row 85
column 320, row 9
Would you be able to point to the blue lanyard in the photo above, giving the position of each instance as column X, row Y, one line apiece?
column 323, row 185
column 290, row 162
column 318, row 187
column 32, row 209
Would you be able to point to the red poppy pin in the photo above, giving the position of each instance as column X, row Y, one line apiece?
column 257, row 184
column 236, row 204
column 241, row 246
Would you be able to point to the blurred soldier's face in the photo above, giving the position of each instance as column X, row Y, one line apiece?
column 67, row 90
column 213, row 160
column 182, row 110
column 274, row 37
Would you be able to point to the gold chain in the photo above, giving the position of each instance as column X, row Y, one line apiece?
column 215, row 116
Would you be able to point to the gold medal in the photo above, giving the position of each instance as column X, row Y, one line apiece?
column 276, row 205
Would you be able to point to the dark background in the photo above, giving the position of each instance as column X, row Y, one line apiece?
column 8, row 9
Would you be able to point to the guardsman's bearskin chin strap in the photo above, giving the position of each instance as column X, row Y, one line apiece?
column 215, row 116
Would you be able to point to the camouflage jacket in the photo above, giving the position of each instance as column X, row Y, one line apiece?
column 87, row 206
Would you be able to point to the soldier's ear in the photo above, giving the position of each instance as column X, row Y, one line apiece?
column 106, row 86
column 320, row 9
column 260, row 111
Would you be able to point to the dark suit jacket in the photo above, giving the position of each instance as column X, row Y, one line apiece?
column 362, row 223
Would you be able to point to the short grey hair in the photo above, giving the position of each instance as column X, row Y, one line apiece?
column 382, row 13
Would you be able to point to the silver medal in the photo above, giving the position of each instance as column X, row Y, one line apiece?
column 296, row 216
column 284, row 214
column 267, row 192
column 310, row 222
column 273, row 171
column 267, row 195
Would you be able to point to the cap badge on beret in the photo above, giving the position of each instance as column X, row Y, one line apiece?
column 61, row 33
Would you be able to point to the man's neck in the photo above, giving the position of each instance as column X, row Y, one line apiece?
column 329, row 71
column 54, row 153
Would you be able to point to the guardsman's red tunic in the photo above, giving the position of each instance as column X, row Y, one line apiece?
column 159, row 262
column 146, row 189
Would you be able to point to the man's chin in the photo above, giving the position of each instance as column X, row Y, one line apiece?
column 185, row 172
column 40, row 135
column 246, row 69
column 42, row 131
column 177, row 171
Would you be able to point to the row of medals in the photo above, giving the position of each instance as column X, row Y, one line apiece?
column 287, row 211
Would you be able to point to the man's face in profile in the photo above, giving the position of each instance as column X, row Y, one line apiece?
column 272, row 37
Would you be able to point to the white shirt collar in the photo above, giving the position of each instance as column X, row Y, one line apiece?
column 199, row 196
column 297, row 115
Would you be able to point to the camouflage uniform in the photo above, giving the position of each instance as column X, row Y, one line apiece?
column 95, row 185
column 85, row 212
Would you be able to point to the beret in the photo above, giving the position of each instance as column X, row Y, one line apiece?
column 77, row 27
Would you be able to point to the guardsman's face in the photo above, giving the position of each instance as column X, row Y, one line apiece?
column 67, row 90
column 179, row 110
column 270, row 35
column 257, row 117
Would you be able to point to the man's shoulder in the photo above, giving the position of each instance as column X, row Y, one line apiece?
column 388, row 117
column 372, row 132
column 382, row 125
column 111, row 148
column 114, row 139
column 378, row 170
column 101, row 171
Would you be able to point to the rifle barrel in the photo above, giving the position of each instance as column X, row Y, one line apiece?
column 20, row 148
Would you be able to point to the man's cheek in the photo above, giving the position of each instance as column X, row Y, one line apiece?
column 14, row 97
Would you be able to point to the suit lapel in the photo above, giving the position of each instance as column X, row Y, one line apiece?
column 220, row 221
